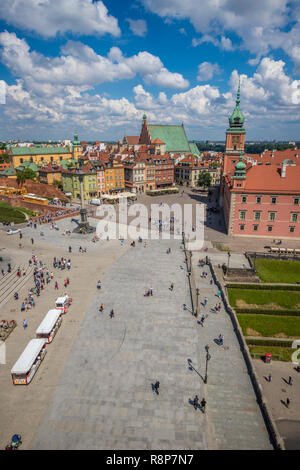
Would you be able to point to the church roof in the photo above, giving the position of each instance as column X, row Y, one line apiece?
column 173, row 136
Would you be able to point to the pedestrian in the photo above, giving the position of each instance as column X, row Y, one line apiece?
column 287, row 402
column 171, row 286
column 112, row 314
column 205, row 301
column 290, row 380
column 101, row 308
column 2, row 272
column 56, row 285
column 270, row 378
column 32, row 241
column 22, row 307
column 196, row 402
column 202, row 320
column 99, row 284
column 221, row 339
column 151, row 291
column 203, row 403
column 156, row 386
column 25, row 324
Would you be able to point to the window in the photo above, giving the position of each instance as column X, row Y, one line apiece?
column 242, row 227
column 294, row 217
column 258, row 200
column 272, row 216
column 273, row 200
column 244, row 199
column 296, row 200
column 292, row 229
column 255, row 228
column 256, row 215
column 21, row 160
column 270, row 228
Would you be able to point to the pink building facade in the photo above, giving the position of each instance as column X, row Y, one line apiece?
column 259, row 199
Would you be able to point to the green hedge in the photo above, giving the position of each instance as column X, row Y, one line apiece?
column 264, row 342
column 262, row 287
column 161, row 193
column 262, row 311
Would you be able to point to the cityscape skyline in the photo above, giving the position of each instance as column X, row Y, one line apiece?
column 97, row 67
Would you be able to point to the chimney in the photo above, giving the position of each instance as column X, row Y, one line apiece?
column 283, row 170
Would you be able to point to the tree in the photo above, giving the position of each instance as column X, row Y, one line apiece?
column 26, row 174
column 58, row 184
column 204, row 179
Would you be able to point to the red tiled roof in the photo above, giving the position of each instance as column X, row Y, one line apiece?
column 133, row 139
column 267, row 178
column 157, row 141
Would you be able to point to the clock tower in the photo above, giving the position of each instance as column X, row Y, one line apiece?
column 235, row 137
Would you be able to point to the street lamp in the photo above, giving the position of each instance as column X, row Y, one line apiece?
column 197, row 305
column 207, row 359
column 229, row 254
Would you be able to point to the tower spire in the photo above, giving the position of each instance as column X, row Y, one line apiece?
column 238, row 94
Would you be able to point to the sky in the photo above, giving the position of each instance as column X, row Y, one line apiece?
column 96, row 67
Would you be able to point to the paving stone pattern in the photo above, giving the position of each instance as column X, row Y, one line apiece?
column 233, row 413
column 104, row 399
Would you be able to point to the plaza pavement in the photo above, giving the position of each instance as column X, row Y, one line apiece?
column 23, row 407
column 104, row 398
column 233, row 413
column 93, row 389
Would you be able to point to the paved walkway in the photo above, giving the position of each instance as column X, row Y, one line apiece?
column 113, row 363
column 233, row 414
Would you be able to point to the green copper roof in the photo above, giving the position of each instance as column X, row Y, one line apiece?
column 173, row 136
column 8, row 172
column 237, row 118
column 194, row 149
column 240, row 165
column 38, row 150
column 76, row 142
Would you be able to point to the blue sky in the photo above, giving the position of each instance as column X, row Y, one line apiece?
column 97, row 66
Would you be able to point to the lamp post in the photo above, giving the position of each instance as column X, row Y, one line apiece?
column 207, row 359
column 229, row 254
column 197, row 305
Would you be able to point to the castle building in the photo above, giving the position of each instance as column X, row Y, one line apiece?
column 260, row 197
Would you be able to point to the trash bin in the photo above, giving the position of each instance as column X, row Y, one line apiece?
column 268, row 358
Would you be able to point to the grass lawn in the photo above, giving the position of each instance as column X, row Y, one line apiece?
column 273, row 299
column 269, row 325
column 278, row 353
column 13, row 214
column 282, row 271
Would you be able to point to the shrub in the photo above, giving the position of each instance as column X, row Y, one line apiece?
column 261, row 287
column 265, row 311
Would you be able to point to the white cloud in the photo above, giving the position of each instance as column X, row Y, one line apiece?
column 260, row 25
column 80, row 65
column 50, row 17
column 270, row 101
column 223, row 43
column 138, row 27
column 206, row 71
column 167, row 79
